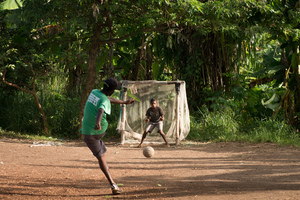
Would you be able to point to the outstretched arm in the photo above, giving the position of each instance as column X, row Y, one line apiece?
column 117, row 101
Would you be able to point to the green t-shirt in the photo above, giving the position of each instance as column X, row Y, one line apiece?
column 95, row 101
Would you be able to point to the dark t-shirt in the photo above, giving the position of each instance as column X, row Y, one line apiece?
column 154, row 115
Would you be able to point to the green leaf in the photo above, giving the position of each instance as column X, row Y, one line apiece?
column 273, row 103
column 295, row 61
column 155, row 70
column 275, row 69
column 273, row 106
column 11, row 5
column 133, row 96
column 269, row 101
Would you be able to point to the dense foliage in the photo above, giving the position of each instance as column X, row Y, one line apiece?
column 239, row 58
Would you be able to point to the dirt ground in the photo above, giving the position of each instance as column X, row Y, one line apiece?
column 211, row 171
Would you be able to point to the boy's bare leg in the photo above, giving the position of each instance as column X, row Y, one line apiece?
column 104, row 167
column 163, row 136
column 143, row 137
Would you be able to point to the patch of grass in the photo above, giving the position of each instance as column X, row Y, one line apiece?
column 21, row 136
column 214, row 126
column 218, row 126
column 273, row 131
column 221, row 126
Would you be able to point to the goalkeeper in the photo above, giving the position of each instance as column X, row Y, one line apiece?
column 155, row 117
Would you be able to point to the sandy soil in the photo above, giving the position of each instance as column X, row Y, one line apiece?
column 190, row 171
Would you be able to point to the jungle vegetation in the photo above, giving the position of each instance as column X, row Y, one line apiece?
column 239, row 59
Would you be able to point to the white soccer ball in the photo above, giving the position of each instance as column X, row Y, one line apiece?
column 148, row 152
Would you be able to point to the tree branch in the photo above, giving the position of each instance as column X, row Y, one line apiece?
column 12, row 84
column 162, row 27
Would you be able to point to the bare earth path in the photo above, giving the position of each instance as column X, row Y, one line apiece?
column 190, row 171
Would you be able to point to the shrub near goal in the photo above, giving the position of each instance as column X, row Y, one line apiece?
column 171, row 97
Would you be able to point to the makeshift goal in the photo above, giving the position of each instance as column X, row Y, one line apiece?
column 170, row 96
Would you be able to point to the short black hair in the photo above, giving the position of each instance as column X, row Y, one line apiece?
column 111, row 84
column 152, row 100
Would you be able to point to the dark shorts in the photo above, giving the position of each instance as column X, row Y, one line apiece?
column 95, row 144
column 152, row 125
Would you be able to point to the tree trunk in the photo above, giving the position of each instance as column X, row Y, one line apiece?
column 90, row 69
column 33, row 93
column 110, row 71
column 149, row 61
column 41, row 111
column 109, row 67
column 297, row 92
column 136, row 67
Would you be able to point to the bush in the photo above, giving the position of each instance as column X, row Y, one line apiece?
column 19, row 113
column 225, row 126
column 62, row 114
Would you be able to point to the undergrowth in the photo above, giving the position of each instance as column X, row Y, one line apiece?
column 241, row 118
column 221, row 126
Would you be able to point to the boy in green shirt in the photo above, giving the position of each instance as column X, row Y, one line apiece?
column 94, row 123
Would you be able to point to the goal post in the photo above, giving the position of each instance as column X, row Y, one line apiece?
column 170, row 96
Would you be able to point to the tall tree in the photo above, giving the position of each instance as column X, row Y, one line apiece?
column 123, row 19
column 288, row 34
column 33, row 37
